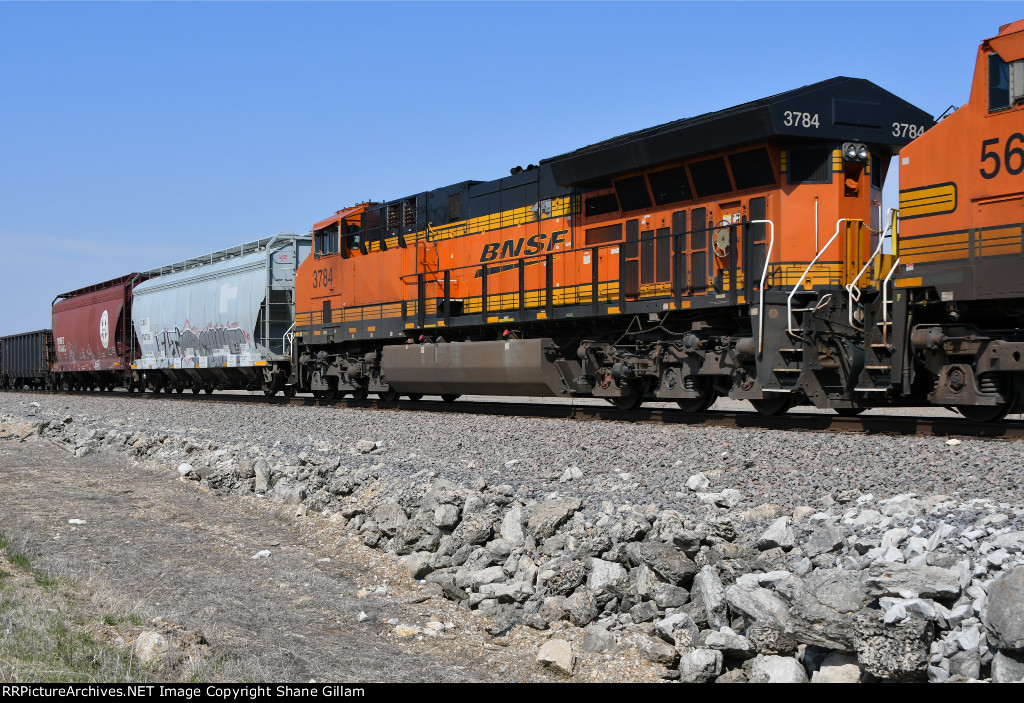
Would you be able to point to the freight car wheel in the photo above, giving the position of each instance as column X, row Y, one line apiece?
column 208, row 390
column 289, row 391
column 196, row 388
column 390, row 396
column 449, row 397
column 360, row 393
column 848, row 412
column 773, row 406
column 415, row 396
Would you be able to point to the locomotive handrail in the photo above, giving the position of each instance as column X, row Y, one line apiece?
column 852, row 285
column 789, row 300
column 885, row 301
column 287, row 339
column 764, row 275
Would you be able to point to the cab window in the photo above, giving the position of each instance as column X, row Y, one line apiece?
column 998, row 83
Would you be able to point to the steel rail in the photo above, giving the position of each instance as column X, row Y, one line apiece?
column 904, row 425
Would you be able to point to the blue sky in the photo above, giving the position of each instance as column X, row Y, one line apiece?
column 137, row 134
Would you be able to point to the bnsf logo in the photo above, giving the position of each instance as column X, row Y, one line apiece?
column 515, row 247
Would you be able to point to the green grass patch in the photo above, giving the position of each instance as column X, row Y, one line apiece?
column 44, row 580
column 48, row 633
column 19, row 560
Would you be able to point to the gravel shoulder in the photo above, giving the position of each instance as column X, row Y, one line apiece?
column 166, row 548
column 351, row 544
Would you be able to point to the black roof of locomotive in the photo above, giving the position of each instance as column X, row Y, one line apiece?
column 849, row 109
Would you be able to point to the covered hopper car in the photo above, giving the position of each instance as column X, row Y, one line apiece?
column 93, row 338
column 219, row 321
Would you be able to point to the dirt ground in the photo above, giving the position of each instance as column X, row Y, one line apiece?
column 161, row 547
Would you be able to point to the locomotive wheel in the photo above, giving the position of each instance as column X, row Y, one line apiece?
column 415, row 396
column 629, row 401
column 701, row 404
column 773, row 406
column 848, row 412
column 449, row 397
column 390, row 396
column 985, row 413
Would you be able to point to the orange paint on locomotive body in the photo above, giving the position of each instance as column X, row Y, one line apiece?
column 962, row 182
column 804, row 215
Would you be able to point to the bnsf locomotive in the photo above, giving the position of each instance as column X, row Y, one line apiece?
column 741, row 253
column 704, row 257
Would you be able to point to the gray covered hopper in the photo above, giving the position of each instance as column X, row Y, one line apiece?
column 198, row 320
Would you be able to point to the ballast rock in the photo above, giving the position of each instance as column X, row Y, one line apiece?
column 882, row 587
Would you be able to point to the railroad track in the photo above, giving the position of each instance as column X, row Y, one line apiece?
column 792, row 421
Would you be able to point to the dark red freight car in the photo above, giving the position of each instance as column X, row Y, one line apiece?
column 92, row 335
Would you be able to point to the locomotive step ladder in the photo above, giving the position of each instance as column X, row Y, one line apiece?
column 781, row 361
column 876, row 377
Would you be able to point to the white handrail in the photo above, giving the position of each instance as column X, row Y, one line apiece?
column 764, row 275
column 885, row 299
column 853, row 284
column 287, row 339
column 789, row 300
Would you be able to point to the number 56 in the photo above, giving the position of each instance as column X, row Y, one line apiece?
column 1013, row 156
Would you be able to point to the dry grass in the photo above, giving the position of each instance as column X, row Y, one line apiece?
column 49, row 634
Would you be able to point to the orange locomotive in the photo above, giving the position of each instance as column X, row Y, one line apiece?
column 735, row 253
column 960, row 292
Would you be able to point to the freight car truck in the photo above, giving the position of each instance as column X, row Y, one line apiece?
column 219, row 321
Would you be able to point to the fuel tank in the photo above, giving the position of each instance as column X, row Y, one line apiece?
column 513, row 367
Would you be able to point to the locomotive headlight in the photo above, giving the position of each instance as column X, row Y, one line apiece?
column 855, row 151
